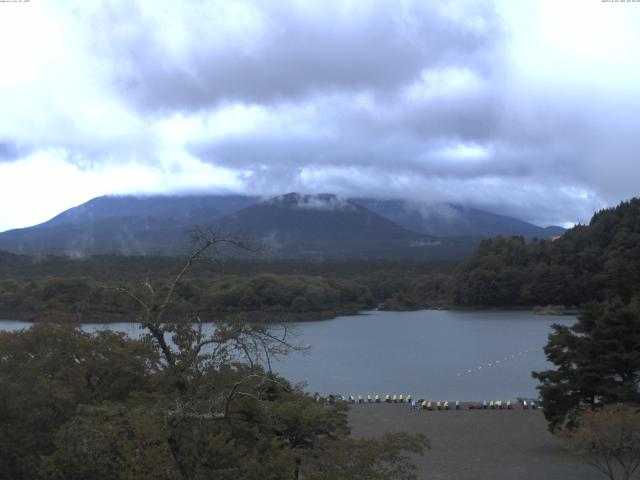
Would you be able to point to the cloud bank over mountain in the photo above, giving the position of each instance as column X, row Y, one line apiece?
column 526, row 110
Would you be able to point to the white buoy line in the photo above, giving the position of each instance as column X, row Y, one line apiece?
column 498, row 362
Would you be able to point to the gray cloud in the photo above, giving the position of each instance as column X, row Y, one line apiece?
column 9, row 151
column 430, row 101
column 289, row 50
column 462, row 149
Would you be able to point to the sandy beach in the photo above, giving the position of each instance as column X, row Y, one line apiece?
column 477, row 444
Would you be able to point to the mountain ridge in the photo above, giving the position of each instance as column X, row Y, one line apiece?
column 292, row 224
column 451, row 220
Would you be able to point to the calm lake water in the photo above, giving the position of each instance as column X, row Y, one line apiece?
column 440, row 355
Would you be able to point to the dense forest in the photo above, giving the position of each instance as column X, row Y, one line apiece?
column 89, row 289
column 597, row 359
column 589, row 262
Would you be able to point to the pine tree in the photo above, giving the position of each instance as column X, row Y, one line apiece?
column 597, row 360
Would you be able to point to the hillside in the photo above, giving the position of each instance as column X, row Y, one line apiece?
column 129, row 225
column 184, row 210
column 324, row 225
column 589, row 262
column 288, row 226
column 293, row 226
column 446, row 220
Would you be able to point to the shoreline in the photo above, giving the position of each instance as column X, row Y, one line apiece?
column 295, row 317
column 250, row 317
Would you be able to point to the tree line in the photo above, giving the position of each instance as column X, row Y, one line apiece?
column 268, row 296
column 82, row 290
column 591, row 397
column 588, row 263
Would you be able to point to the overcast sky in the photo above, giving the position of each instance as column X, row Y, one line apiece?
column 525, row 108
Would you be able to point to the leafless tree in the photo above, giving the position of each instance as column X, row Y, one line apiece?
column 184, row 347
column 609, row 438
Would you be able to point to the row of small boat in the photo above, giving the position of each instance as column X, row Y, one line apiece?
column 429, row 405
column 500, row 405
column 377, row 399
column 444, row 405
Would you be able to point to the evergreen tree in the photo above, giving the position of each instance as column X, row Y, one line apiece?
column 597, row 360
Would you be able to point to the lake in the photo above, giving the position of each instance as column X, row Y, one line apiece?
column 440, row 355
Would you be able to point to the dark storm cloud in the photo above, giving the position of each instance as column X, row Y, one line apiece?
column 294, row 52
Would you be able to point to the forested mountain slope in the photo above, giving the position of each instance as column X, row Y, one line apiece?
column 587, row 263
column 292, row 226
